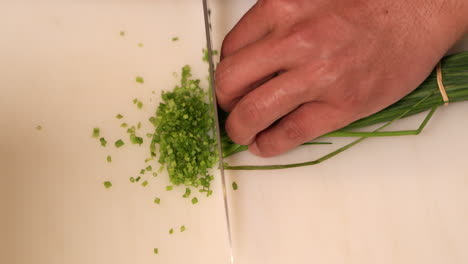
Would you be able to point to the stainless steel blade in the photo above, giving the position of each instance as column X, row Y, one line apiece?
column 206, row 12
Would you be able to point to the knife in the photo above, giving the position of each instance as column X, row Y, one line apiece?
column 206, row 13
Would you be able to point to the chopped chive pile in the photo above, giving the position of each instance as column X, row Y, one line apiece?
column 96, row 132
column 157, row 200
column 183, row 126
column 169, row 188
column 103, row 142
column 139, row 79
column 182, row 228
column 119, row 116
column 194, row 200
column 119, row 143
column 144, row 184
column 109, row 158
column 107, row 184
column 156, row 251
column 187, row 193
column 234, row 186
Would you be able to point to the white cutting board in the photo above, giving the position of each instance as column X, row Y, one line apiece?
column 64, row 66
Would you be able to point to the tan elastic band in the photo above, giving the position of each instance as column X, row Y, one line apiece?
column 441, row 84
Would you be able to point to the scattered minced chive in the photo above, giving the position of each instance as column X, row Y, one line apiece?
column 103, row 142
column 135, row 101
column 135, row 139
column 140, row 105
column 124, row 125
column 142, row 171
column 139, row 125
column 107, row 184
column 156, row 251
column 234, row 186
column 109, row 158
column 141, row 45
column 155, row 174
column 182, row 228
column 157, row 200
column 187, row 193
column 139, row 79
column 148, row 160
column 122, row 33
column 175, row 39
column 171, row 231
column 39, row 128
column 153, row 92
column 194, row 200
column 96, row 132
column 169, row 188
column 144, row 184
column 206, row 55
column 138, row 179
column 149, row 135
column 119, row 143
column 132, row 179
column 149, row 168
column 119, row 116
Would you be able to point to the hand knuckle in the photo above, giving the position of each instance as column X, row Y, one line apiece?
column 250, row 111
column 295, row 130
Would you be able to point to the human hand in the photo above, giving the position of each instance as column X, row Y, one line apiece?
column 293, row 70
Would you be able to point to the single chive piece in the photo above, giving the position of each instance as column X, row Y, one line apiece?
column 169, row 188
column 234, row 186
column 103, row 142
column 135, row 139
column 157, row 200
column 140, row 105
column 209, row 193
column 194, row 200
column 149, row 168
column 148, row 160
column 138, row 179
column 132, row 179
column 156, row 251
column 109, row 158
column 155, row 174
column 122, row 33
column 187, row 193
column 39, row 128
column 119, row 116
column 174, row 39
column 171, row 231
column 139, row 79
column 107, row 184
column 149, row 135
column 119, row 143
column 141, row 45
column 139, row 125
column 96, row 132
column 144, row 184
column 135, row 101
column 142, row 171
column 182, row 228
column 124, row 125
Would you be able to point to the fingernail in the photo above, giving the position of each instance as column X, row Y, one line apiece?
column 253, row 148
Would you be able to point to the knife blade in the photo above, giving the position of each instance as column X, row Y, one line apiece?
column 206, row 14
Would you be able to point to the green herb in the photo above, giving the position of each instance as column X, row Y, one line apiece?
column 157, row 200
column 156, row 251
column 144, row 184
column 135, row 101
column 119, row 143
column 149, row 168
column 122, row 33
column 103, row 142
column 234, row 186
column 169, row 188
column 119, row 116
column 107, row 184
column 124, row 125
column 194, row 200
column 149, row 135
column 139, row 125
column 182, row 228
column 206, row 55
column 135, row 139
column 139, row 79
column 155, row 174
column 140, row 105
column 187, row 193
column 39, row 128
column 138, row 179
column 148, row 160
column 174, row 39
column 132, row 179
column 96, row 132
column 171, row 231
column 109, row 159
column 142, row 171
